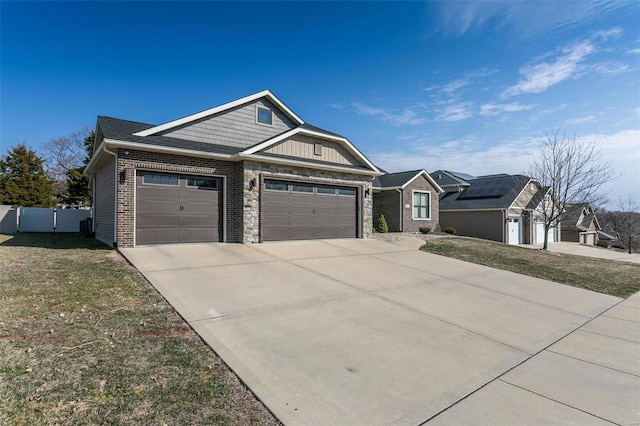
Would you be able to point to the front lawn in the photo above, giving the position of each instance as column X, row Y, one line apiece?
column 620, row 279
column 84, row 339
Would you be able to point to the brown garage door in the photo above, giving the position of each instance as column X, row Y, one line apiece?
column 301, row 211
column 177, row 209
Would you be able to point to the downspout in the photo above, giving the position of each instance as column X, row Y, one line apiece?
column 115, row 195
column 504, row 224
column 401, row 217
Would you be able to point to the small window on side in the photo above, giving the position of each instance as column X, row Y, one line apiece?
column 317, row 148
column 265, row 116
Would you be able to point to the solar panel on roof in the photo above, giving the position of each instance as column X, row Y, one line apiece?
column 489, row 188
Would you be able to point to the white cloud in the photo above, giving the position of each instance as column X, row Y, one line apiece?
column 581, row 120
column 408, row 116
column 454, row 86
column 498, row 109
column 568, row 64
column 456, row 112
column 609, row 68
column 524, row 20
column 634, row 51
column 539, row 77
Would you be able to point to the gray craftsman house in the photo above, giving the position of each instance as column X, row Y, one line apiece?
column 408, row 201
column 580, row 224
column 504, row 208
column 247, row 171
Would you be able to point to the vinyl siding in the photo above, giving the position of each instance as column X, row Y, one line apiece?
column 487, row 225
column 236, row 127
column 304, row 147
column 105, row 202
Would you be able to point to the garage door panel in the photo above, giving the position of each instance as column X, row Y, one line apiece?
column 291, row 215
column 177, row 213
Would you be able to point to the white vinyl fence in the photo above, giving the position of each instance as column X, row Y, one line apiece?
column 36, row 219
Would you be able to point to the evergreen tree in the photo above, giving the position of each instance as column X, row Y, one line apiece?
column 23, row 180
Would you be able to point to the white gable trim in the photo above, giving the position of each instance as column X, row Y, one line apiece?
column 345, row 142
column 522, row 190
column 181, row 121
column 308, row 165
column 429, row 178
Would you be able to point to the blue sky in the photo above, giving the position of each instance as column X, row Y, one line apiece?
column 466, row 86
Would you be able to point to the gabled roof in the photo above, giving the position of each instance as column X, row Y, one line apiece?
column 537, row 198
column 495, row 192
column 400, row 180
column 578, row 217
column 200, row 115
column 117, row 133
column 308, row 131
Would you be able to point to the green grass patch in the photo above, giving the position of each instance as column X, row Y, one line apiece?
column 620, row 279
column 84, row 339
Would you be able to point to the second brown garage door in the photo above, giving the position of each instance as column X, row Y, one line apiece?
column 177, row 209
column 301, row 211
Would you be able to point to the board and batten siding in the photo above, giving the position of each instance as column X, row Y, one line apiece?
column 235, row 127
column 304, row 147
column 105, row 202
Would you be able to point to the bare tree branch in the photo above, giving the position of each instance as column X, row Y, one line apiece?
column 573, row 172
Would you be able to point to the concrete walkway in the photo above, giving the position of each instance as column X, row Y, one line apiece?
column 589, row 251
column 369, row 332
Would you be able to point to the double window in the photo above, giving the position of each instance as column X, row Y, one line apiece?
column 421, row 205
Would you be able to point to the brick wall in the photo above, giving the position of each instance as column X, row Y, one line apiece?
column 130, row 160
column 242, row 207
column 409, row 224
column 387, row 203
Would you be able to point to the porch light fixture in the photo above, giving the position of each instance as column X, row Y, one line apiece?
column 252, row 183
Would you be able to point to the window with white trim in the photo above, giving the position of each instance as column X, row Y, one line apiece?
column 421, row 205
column 264, row 116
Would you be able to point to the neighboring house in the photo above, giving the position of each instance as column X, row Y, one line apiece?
column 451, row 181
column 580, row 224
column 247, row 171
column 610, row 237
column 408, row 201
column 504, row 208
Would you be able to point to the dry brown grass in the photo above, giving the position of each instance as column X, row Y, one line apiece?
column 84, row 339
column 620, row 279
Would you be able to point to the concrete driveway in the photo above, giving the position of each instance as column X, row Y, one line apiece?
column 592, row 251
column 362, row 332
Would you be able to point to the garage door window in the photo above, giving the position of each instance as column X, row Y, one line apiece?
column 161, row 179
column 302, row 188
column 326, row 190
column 276, row 186
column 202, row 183
column 350, row 192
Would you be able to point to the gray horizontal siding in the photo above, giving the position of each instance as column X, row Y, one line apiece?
column 105, row 203
column 236, row 127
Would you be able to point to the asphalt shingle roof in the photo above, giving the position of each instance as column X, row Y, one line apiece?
column 123, row 130
column 490, row 192
column 392, row 180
